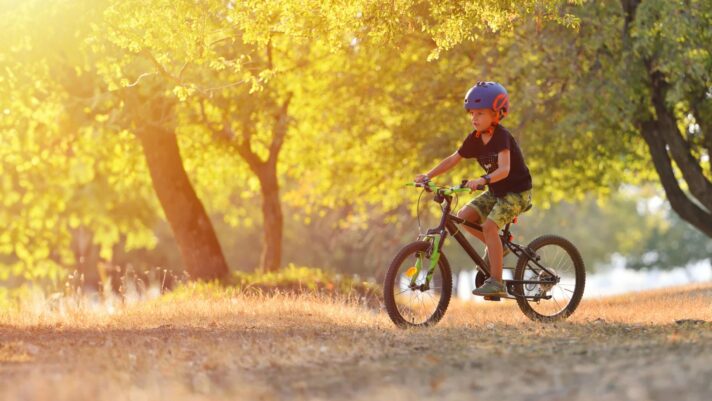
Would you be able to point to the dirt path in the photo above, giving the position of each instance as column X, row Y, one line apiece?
column 302, row 352
column 572, row 362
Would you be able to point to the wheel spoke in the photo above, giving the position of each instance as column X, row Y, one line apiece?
column 407, row 289
column 414, row 306
column 557, row 259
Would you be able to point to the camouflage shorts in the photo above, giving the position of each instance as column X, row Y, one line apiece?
column 501, row 210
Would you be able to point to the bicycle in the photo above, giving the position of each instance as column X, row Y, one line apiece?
column 549, row 271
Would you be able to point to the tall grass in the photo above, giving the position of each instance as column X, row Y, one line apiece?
column 201, row 303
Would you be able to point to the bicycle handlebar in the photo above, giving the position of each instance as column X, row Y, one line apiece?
column 430, row 186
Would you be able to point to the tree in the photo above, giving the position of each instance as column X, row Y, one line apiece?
column 631, row 86
column 669, row 44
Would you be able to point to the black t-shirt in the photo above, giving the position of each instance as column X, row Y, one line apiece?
column 518, row 180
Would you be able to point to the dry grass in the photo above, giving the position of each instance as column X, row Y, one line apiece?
column 221, row 345
column 658, row 307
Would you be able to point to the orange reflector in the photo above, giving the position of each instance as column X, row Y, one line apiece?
column 511, row 237
column 411, row 271
column 514, row 221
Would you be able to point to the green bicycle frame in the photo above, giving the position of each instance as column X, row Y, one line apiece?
column 435, row 257
column 435, row 237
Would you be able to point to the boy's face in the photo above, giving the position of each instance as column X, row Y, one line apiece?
column 481, row 118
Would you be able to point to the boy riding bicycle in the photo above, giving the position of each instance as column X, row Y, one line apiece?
column 506, row 175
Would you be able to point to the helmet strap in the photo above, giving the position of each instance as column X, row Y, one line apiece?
column 491, row 128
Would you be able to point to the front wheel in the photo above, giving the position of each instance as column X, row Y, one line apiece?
column 410, row 301
column 556, row 293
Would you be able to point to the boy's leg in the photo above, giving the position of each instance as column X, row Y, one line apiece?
column 502, row 213
column 471, row 212
column 493, row 287
column 471, row 215
column 494, row 248
column 475, row 212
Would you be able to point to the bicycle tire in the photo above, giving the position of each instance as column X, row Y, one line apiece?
column 523, row 266
column 389, row 283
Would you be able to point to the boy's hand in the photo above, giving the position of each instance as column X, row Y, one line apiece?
column 477, row 184
column 421, row 178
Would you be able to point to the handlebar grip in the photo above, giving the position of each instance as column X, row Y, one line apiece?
column 423, row 185
column 464, row 185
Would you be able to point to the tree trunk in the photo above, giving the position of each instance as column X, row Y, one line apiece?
column 271, row 257
column 679, row 201
column 266, row 172
column 699, row 186
column 86, row 255
column 194, row 233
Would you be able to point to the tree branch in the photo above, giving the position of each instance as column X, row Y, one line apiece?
column 702, row 122
column 700, row 186
column 244, row 147
column 679, row 201
column 203, row 92
column 280, row 130
column 140, row 77
column 226, row 135
column 207, row 122
column 182, row 70
column 160, row 67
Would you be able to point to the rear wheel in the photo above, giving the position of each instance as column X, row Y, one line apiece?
column 559, row 295
column 409, row 301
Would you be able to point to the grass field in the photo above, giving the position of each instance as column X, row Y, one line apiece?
column 220, row 345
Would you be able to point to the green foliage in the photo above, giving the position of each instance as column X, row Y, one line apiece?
column 232, row 68
column 375, row 91
column 61, row 171
column 670, row 245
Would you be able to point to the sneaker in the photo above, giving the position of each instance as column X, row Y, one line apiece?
column 490, row 288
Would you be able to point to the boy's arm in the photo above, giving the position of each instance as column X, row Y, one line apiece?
column 501, row 173
column 445, row 165
column 502, row 167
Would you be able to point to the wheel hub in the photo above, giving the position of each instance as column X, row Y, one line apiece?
column 550, row 281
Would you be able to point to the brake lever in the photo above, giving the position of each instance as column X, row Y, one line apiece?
column 464, row 185
column 426, row 186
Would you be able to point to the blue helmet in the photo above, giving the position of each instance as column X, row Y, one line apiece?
column 488, row 95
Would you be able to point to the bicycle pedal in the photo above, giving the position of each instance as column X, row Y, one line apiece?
column 491, row 298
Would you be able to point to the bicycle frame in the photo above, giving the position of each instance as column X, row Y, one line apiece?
column 449, row 225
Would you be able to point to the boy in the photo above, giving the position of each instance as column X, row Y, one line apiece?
column 507, row 176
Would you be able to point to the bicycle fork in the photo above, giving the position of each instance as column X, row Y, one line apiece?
column 434, row 253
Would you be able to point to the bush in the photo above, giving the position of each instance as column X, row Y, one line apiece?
column 299, row 279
